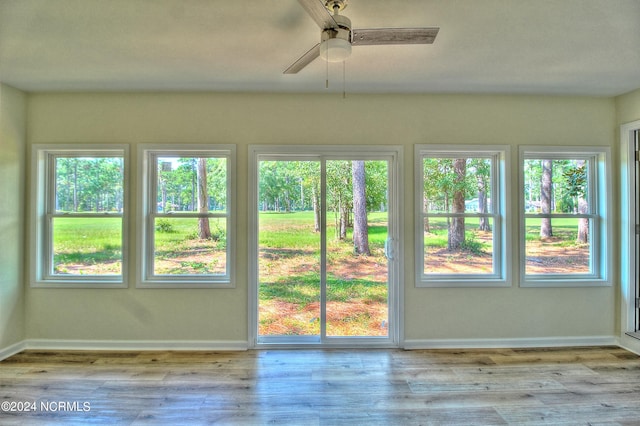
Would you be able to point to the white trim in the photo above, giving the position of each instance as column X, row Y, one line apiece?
column 500, row 185
column 600, row 191
column 238, row 345
column 531, row 342
column 144, row 276
column 12, row 350
column 632, row 344
column 41, row 177
column 627, row 232
column 136, row 345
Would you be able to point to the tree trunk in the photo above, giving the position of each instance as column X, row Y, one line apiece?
column 75, row 186
column 546, row 230
column 456, row 229
column 482, row 205
column 583, row 223
column 583, row 208
column 344, row 220
column 425, row 204
column 316, row 208
column 360, row 224
column 204, row 232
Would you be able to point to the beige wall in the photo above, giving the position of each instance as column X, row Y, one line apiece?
column 12, row 167
column 242, row 119
column 628, row 107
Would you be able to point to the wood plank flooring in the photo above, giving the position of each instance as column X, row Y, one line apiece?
column 323, row 387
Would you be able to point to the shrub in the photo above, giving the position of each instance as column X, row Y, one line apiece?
column 164, row 225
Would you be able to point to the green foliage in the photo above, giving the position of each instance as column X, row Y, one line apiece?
column 287, row 186
column 89, row 184
column 569, row 183
column 441, row 181
column 472, row 244
column 218, row 232
column 576, row 180
column 177, row 183
column 164, row 225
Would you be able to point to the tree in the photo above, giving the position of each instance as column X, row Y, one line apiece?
column 340, row 194
column 89, row 184
column 576, row 181
column 436, row 185
column 360, row 225
column 310, row 174
column 204, row 231
column 482, row 169
column 546, row 187
column 456, row 229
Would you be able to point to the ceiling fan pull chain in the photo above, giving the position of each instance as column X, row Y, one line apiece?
column 326, row 85
column 344, row 79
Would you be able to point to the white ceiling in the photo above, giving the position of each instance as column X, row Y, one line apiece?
column 582, row 47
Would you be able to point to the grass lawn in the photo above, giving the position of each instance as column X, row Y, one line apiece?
column 87, row 245
column 289, row 290
column 289, row 271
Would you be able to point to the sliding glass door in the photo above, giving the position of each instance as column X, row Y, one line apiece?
column 323, row 235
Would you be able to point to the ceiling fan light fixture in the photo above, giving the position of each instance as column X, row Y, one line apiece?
column 337, row 35
column 335, row 50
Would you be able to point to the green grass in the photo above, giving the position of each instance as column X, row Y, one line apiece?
column 305, row 288
column 91, row 241
column 288, row 230
column 295, row 230
column 87, row 241
column 565, row 229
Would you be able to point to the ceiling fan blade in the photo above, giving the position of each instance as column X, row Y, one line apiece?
column 319, row 13
column 377, row 36
column 304, row 60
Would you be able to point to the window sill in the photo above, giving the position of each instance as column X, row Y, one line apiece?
column 553, row 283
column 460, row 283
column 85, row 283
column 184, row 284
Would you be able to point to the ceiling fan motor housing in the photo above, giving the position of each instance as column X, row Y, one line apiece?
column 335, row 43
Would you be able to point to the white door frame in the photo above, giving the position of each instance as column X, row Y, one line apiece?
column 628, row 204
column 392, row 153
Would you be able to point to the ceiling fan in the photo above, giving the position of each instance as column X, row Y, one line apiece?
column 337, row 36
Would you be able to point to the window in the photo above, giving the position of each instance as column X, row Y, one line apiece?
column 461, row 237
column 563, row 225
column 187, row 205
column 79, row 215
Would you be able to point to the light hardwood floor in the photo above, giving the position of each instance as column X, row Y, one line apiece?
column 308, row 387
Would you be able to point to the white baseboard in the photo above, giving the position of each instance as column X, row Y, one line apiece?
column 137, row 345
column 630, row 342
column 238, row 345
column 11, row 350
column 532, row 342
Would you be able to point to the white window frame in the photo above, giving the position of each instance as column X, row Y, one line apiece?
column 147, row 181
column 499, row 155
column 43, row 212
column 599, row 201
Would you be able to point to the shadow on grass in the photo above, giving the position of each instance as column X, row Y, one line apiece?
column 305, row 289
column 87, row 258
